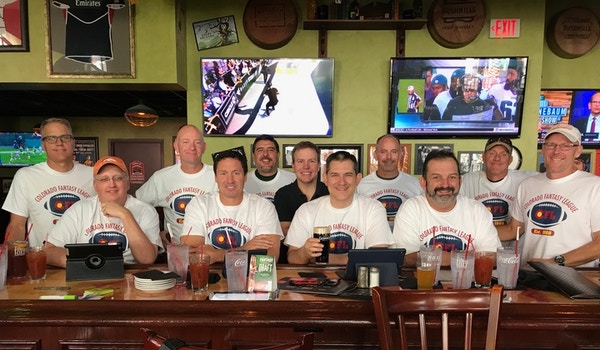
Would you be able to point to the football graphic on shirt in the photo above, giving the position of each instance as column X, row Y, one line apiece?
column 180, row 203
column 226, row 237
column 60, row 202
column 498, row 208
column 110, row 237
column 340, row 243
column 391, row 204
column 448, row 243
column 546, row 214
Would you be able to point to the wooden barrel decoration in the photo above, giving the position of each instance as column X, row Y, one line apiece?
column 455, row 23
column 573, row 32
column 270, row 24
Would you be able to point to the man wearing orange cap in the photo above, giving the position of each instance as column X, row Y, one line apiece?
column 112, row 216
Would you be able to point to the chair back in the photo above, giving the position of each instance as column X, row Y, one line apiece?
column 434, row 309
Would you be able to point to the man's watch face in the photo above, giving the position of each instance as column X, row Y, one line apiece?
column 559, row 259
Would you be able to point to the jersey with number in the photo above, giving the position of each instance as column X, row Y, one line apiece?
column 361, row 225
column 497, row 197
column 224, row 226
column 267, row 189
column 42, row 195
column 172, row 189
column 505, row 99
column 418, row 224
column 391, row 193
column 559, row 215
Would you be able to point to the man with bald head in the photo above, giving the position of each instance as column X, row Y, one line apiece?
column 174, row 186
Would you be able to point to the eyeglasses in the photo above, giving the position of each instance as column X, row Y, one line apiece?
column 562, row 146
column 595, row 102
column 53, row 139
column 107, row 179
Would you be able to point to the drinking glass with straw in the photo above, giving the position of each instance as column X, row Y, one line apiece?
column 4, row 260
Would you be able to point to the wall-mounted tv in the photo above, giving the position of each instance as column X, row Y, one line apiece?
column 277, row 96
column 579, row 107
column 456, row 97
column 21, row 149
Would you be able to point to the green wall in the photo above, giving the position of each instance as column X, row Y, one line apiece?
column 361, row 68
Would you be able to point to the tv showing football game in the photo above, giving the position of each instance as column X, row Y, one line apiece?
column 456, row 97
column 578, row 107
column 277, row 96
column 21, row 149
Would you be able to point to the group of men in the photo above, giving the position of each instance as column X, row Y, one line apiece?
column 223, row 206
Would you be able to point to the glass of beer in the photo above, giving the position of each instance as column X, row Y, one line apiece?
column 322, row 233
column 429, row 260
column 17, row 263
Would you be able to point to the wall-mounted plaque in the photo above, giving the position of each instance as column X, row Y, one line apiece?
column 270, row 24
column 455, row 23
column 573, row 32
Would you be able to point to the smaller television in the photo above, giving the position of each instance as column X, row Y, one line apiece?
column 573, row 106
column 474, row 97
column 18, row 149
column 277, row 96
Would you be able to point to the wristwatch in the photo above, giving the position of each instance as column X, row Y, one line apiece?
column 560, row 260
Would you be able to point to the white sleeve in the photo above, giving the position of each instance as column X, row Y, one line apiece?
column 379, row 228
column 406, row 227
column 194, row 220
column 300, row 229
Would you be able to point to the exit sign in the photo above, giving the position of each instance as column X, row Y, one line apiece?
column 505, row 28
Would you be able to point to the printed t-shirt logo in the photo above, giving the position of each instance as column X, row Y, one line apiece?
column 448, row 243
column 340, row 243
column 60, row 202
column 391, row 204
column 219, row 238
column 110, row 237
column 546, row 214
column 498, row 208
column 180, row 203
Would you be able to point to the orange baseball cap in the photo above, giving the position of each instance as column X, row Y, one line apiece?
column 106, row 160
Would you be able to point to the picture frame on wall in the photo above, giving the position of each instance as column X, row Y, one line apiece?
column 470, row 161
column 286, row 161
column 86, row 150
column 215, row 32
column 585, row 159
column 14, row 26
column 90, row 43
column 326, row 150
column 541, row 167
column 404, row 164
column 6, row 182
column 423, row 149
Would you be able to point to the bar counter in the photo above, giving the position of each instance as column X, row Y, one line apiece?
column 530, row 319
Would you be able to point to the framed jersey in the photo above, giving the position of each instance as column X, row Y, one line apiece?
column 90, row 38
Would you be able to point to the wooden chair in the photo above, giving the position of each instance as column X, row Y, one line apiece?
column 393, row 302
column 154, row 342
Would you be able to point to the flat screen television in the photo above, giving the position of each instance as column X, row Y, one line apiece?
column 574, row 106
column 277, row 96
column 19, row 149
column 456, row 97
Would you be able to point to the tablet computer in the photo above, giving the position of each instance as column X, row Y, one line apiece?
column 92, row 261
column 383, row 257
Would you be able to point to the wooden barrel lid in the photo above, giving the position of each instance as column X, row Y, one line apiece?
column 573, row 32
column 454, row 24
column 270, row 24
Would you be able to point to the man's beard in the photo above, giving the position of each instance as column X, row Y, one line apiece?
column 445, row 199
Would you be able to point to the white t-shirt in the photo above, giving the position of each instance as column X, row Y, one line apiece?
column 559, row 215
column 417, row 224
column 361, row 225
column 220, row 224
column 391, row 193
column 85, row 223
column 42, row 195
column 499, row 196
column 267, row 189
column 173, row 189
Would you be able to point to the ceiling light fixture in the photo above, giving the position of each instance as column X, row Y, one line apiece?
column 141, row 115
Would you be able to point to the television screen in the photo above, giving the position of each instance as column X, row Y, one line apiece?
column 21, row 149
column 450, row 97
column 579, row 107
column 277, row 96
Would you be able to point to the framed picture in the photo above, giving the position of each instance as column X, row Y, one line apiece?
column 597, row 162
column 584, row 161
column 470, row 161
column 422, row 150
column 215, row 32
column 6, row 182
column 86, row 150
column 403, row 164
column 541, row 166
column 326, row 150
column 14, row 31
column 287, row 156
column 84, row 42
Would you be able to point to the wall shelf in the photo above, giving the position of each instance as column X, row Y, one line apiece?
column 399, row 25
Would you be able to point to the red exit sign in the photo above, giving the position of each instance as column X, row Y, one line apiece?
column 505, row 28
